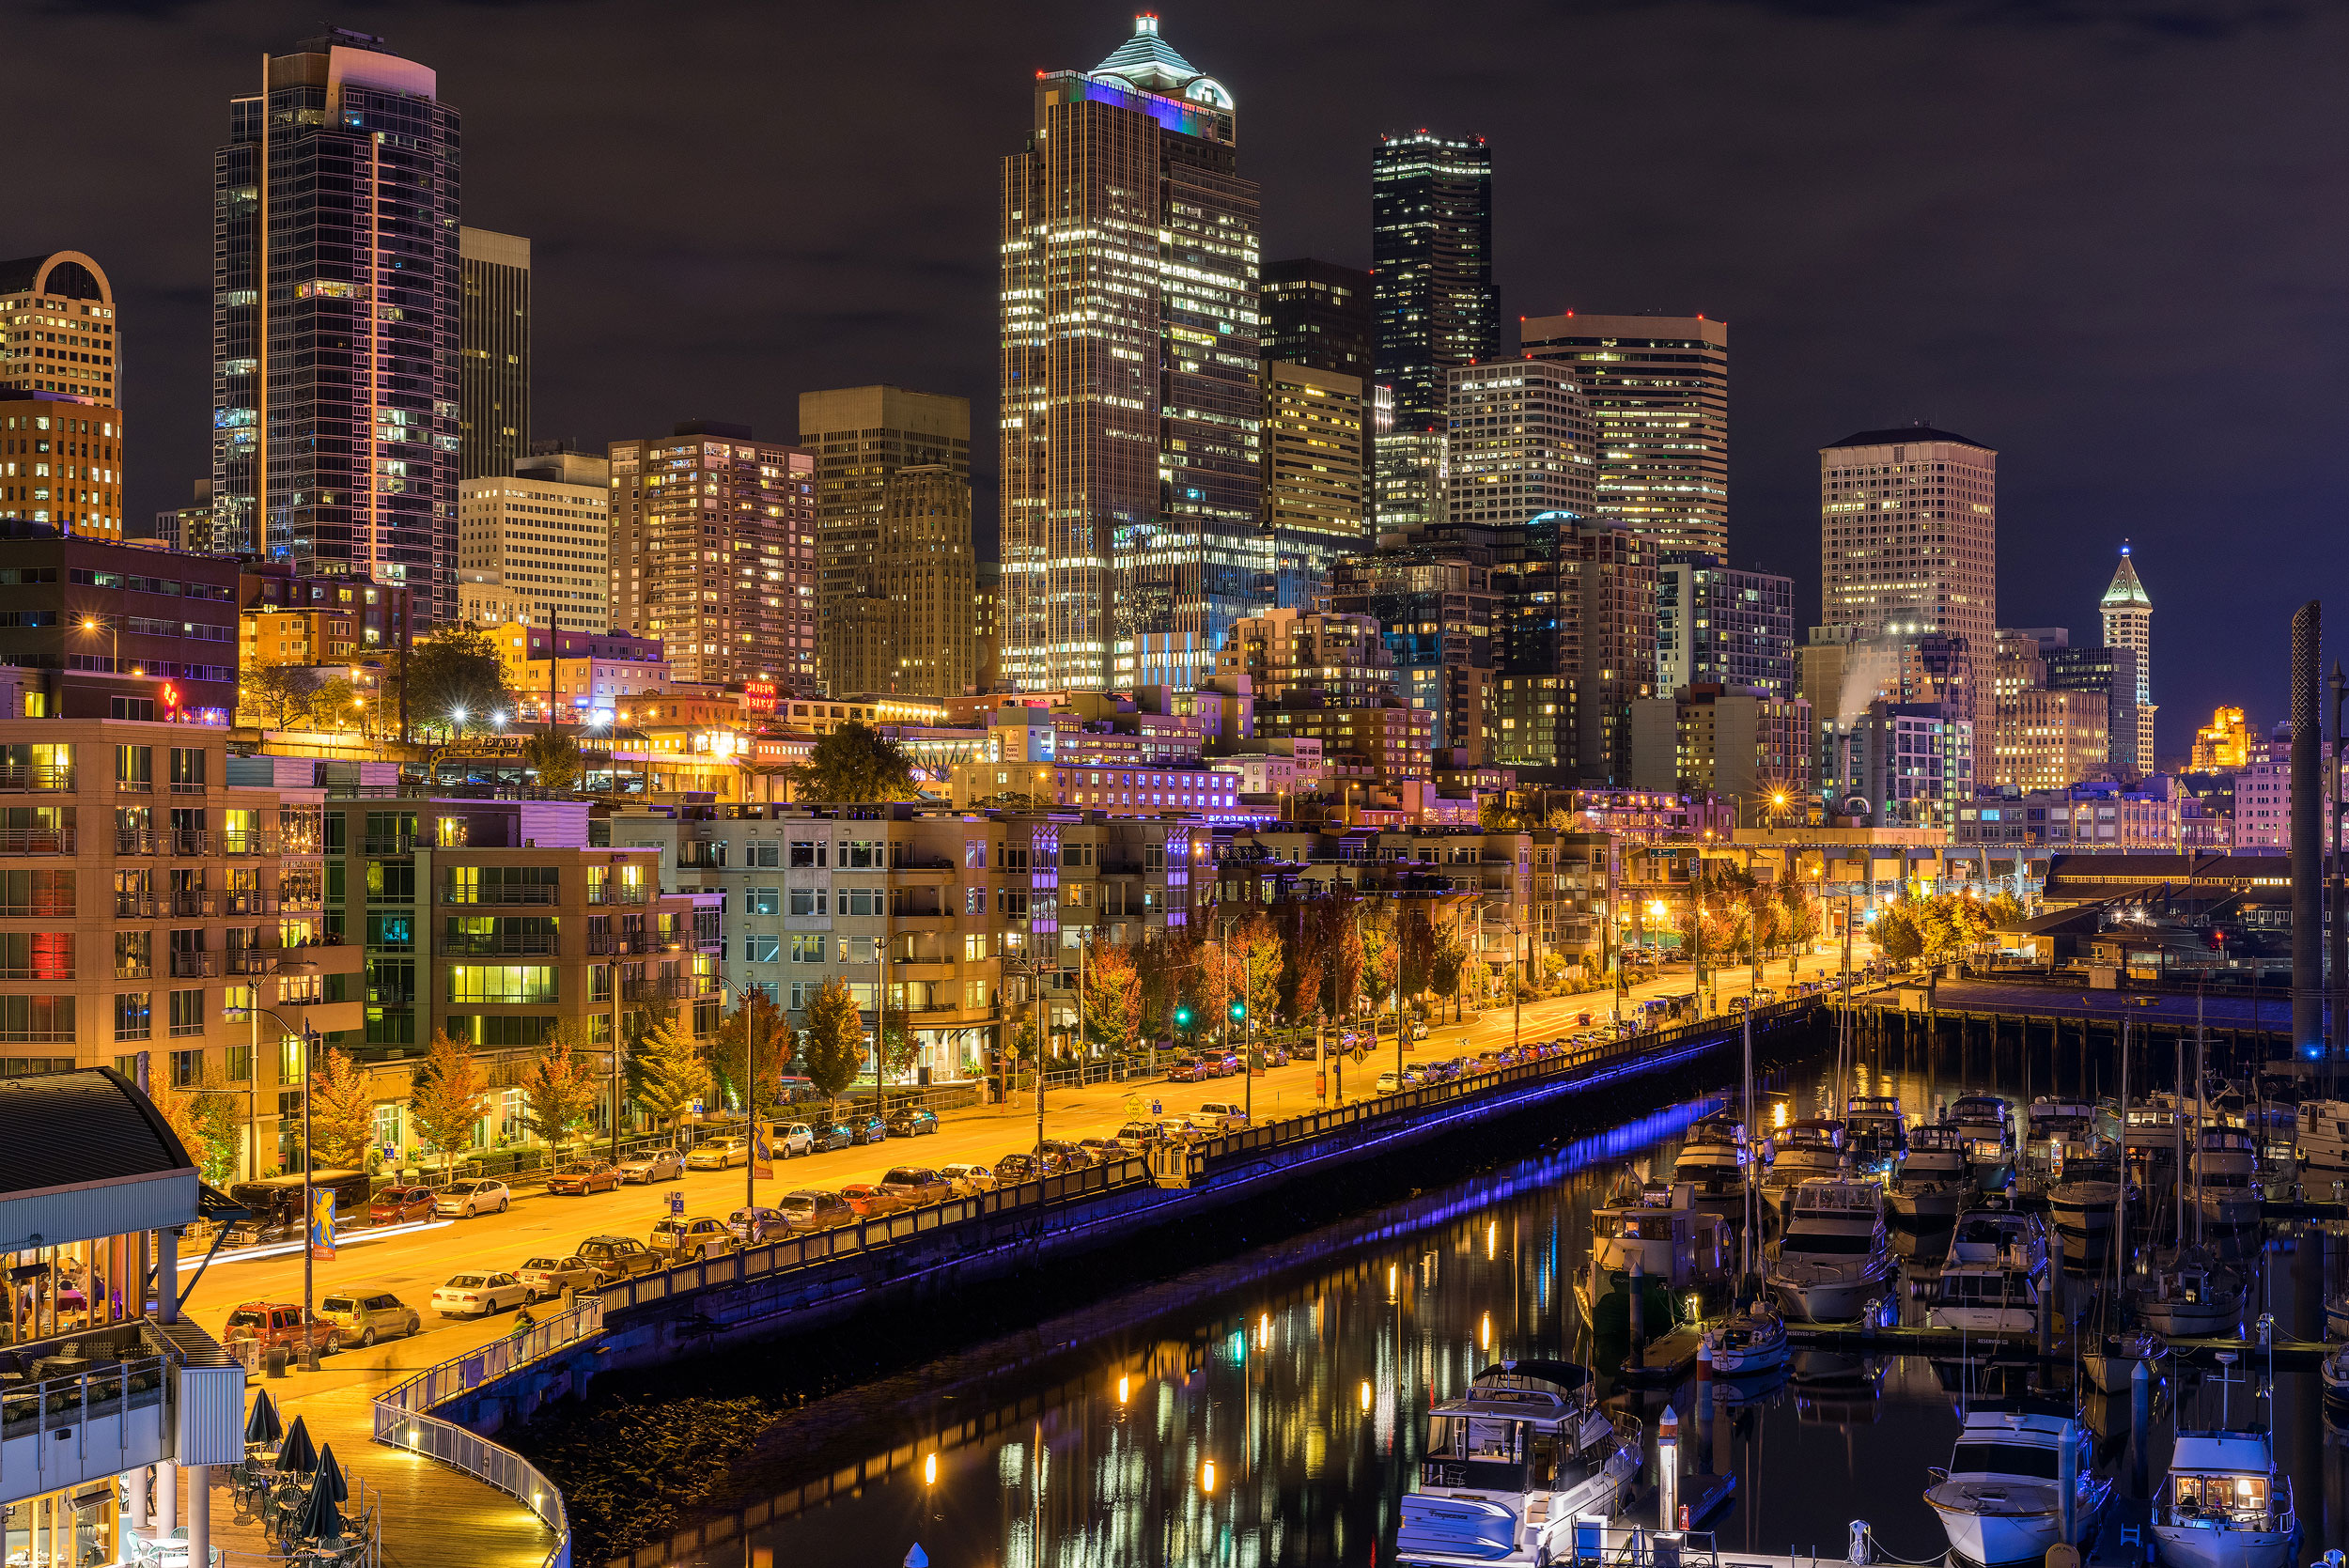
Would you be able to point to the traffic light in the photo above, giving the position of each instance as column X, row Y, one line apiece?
column 1182, row 1018
column 1239, row 1011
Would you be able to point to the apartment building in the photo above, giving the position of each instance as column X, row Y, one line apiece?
column 117, row 630
column 536, row 545
column 1705, row 740
column 580, row 677
column 1392, row 741
column 2103, row 817
column 1343, row 658
column 288, row 618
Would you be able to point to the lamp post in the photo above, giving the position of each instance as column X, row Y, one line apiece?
column 750, row 1088
column 92, row 623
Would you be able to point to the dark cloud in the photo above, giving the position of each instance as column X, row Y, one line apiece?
column 2100, row 235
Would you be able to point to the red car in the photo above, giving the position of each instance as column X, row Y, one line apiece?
column 578, row 1177
column 870, row 1200
column 397, row 1205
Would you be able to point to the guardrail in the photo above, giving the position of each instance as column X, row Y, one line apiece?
column 404, row 1418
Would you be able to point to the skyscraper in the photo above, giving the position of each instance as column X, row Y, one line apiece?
column 536, row 545
column 1314, row 484
column 1908, row 543
column 335, row 319
column 2130, row 624
column 1658, row 387
column 1521, row 443
column 1131, row 472
column 1717, row 625
column 1431, row 250
column 58, row 399
column 493, row 399
column 1317, row 314
column 861, row 437
column 923, row 578
column 59, row 329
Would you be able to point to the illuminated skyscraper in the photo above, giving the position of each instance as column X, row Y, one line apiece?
column 1129, row 375
column 1313, row 478
column 60, row 406
column 1431, row 249
column 2130, row 624
column 335, row 319
column 494, row 399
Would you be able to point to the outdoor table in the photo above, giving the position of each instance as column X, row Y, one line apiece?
column 61, row 1366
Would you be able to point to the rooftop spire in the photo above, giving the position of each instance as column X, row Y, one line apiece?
column 2126, row 592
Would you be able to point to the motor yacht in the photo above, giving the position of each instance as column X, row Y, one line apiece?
column 1799, row 1151
column 2187, row 1290
column 1874, row 1130
column 2058, row 1128
column 2154, row 1130
column 1714, row 1158
column 1835, row 1255
column 2086, row 1189
column 1527, row 1446
column 2222, row 1178
column 1996, row 1269
column 2224, row 1505
column 1932, row 1179
column 2320, row 1133
column 1679, row 1248
column 1985, row 1123
column 2004, row 1498
column 1751, row 1342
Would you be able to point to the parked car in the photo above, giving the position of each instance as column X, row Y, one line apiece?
column 967, row 1178
column 834, row 1135
column 274, row 1224
column 691, row 1240
column 719, row 1153
column 363, row 1314
column 1022, row 1168
column 1188, row 1069
column 479, row 1295
column 912, row 1122
column 1221, row 1115
column 1136, row 1137
column 1274, row 1053
column 463, row 1200
column 619, row 1257
column 659, row 1165
column 399, row 1205
column 278, row 1324
column 917, row 1185
column 868, row 1129
column 870, row 1200
column 1390, row 1083
column 577, row 1178
column 1419, row 1030
column 791, row 1138
column 1174, row 1129
column 752, row 1224
column 1105, row 1151
column 546, row 1277
column 1070, row 1155
column 811, row 1210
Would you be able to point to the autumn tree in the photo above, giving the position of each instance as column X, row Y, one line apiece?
column 554, row 759
column 833, row 1049
column 275, row 696
column 559, row 1091
column 342, row 1113
column 1446, row 968
column 1380, row 951
column 453, row 678
column 895, row 1051
column 755, row 1024
column 1113, row 994
column 1163, row 965
column 854, row 765
column 1897, row 935
column 1415, row 948
column 1798, row 917
column 450, row 1094
column 1257, row 965
column 666, row 1074
column 206, row 1122
column 1299, row 993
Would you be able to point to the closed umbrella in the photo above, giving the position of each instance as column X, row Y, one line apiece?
column 262, row 1428
column 320, row 1519
column 299, row 1456
column 330, row 1476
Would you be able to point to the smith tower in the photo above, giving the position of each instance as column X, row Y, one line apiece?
column 1131, row 490
column 2128, row 615
column 335, row 319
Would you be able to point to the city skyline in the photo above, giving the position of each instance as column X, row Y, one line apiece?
column 1916, row 336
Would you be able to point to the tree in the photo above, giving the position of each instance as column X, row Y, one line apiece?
column 896, row 1049
column 559, row 1091
column 1164, row 966
column 833, row 1047
column 205, row 1121
column 667, row 1074
column 1415, row 949
column 1342, row 958
column 1299, row 993
column 555, row 757
column 276, row 695
column 1112, row 1018
column 453, row 677
column 1380, row 952
column 450, row 1094
column 1798, row 914
column 755, row 1021
column 1897, row 935
column 1255, row 972
column 1446, row 967
column 854, row 766
column 342, row 1113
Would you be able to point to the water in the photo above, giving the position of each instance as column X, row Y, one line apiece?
column 1270, row 1410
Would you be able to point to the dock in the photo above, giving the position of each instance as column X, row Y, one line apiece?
column 1951, row 1341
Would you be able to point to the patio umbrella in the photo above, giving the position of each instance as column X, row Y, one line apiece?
column 262, row 1427
column 320, row 1519
column 299, row 1456
column 330, row 1476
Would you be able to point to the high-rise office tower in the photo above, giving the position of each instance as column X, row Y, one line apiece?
column 1521, row 443
column 923, row 578
column 1717, row 625
column 1658, row 387
column 335, row 319
column 1130, row 479
column 1909, row 542
column 1317, row 314
column 1431, row 254
column 861, row 437
column 2128, row 614
column 1314, row 502
column 494, row 383
column 714, row 551
column 536, row 546
column 60, row 416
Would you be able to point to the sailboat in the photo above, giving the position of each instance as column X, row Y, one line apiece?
column 2189, row 1292
column 1751, row 1340
column 2018, row 1482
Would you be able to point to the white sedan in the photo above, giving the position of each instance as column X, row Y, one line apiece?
column 479, row 1295
column 463, row 1200
column 719, row 1153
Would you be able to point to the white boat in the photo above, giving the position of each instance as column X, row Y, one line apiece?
column 1527, row 1446
column 2057, row 1128
column 1679, row 1247
column 2320, row 1133
column 2337, row 1315
column 1835, row 1255
column 1934, row 1179
column 1874, row 1130
column 1714, row 1158
column 2223, row 1178
column 2336, row 1371
column 2188, row 1292
column 1996, row 1269
column 1799, row 1151
column 1984, row 1122
column 2224, row 1505
column 2154, row 1130
column 1751, row 1342
column 2087, row 1187
column 2002, row 1499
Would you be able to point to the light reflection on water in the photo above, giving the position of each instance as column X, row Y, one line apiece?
column 1303, row 1373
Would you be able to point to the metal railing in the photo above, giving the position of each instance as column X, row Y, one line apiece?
column 37, row 841
column 195, row 966
column 43, row 780
column 524, row 893
column 475, row 946
column 623, row 894
column 404, row 1417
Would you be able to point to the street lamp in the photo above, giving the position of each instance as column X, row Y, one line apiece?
column 750, row 1088
column 92, row 623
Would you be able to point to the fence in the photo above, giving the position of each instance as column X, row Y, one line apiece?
column 403, row 1416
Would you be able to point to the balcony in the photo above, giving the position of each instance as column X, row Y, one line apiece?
column 399, row 844
column 525, row 894
column 195, row 966
column 37, row 841
column 137, row 841
column 86, row 1408
column 476, row 946
column 134, row 786
column 248, row 844
column 604, row 942
column 186, row 786
column 134, row 906
column 42, row 781
column 247, row 901
column 625, row 894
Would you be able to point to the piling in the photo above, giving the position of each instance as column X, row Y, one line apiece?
column 2140, row 1424
column 1636, row 1316
column 1668, row 1469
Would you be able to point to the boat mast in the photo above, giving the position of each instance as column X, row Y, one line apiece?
column 2201, row 1113
column 1745, row 1231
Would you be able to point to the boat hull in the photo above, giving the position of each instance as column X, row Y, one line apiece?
column 1836, row 1300
column 2195, row 1546
column 1983, row 1320
column 1936, row 1201
column 2188, row 1319
column 1997, row 1522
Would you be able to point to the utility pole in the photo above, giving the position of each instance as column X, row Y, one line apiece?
column 2337, row 1013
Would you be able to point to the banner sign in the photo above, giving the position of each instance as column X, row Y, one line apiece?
column 322, row 1223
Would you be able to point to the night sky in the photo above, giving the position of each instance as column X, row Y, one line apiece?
column 2103, row 237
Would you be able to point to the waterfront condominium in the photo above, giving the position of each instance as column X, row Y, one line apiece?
column 493, row 395
column 1131, row 495
column 1431, row 247
column 335, row 319
column 2128, row 615
column 714, row 551
column 1716, row 626
column 60, row 421
column 1658, row 387
column 862, row 437
column 1908, row 543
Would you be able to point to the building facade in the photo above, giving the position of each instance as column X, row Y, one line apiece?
column 1343, row 657
column 335, row 319
column 1315, row 500
column 1317, row 314
column 1716, row 626
column 1657, row 387
column 98, row 630
column 536, row 545
column 2108, row 674
column 1131, row 478
column 1521, row 443
column 2128, row 617
column 1748, row 746
column 2222, row 745
column 59, row 331
column 2043, row 740
column 1434, row 609
column 1431, row 257
column 493, row 336
column 714, row 551
column 923, row 577
column 61, row 463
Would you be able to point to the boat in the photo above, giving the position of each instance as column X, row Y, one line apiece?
column 2154, row 1130
column 1874, row 1130
column 2187, row 1290
column 1527, row 1446
column 1835, row 1255
column 2057, row 1128
column 1932, row 1179
column 1800, row 1150
column 2110, row 1368
column 2003, row 1499
column 2224, row 1505
column 1750, row 1342
column 2087, row 1188
column 1676, row 1247
column 2320, row 1134
column 2223, row 1172
column 1996, row 1269
column 1714, row 1158
column 2335, row 1369
column 2337, row 1315
column 1984, row 1122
